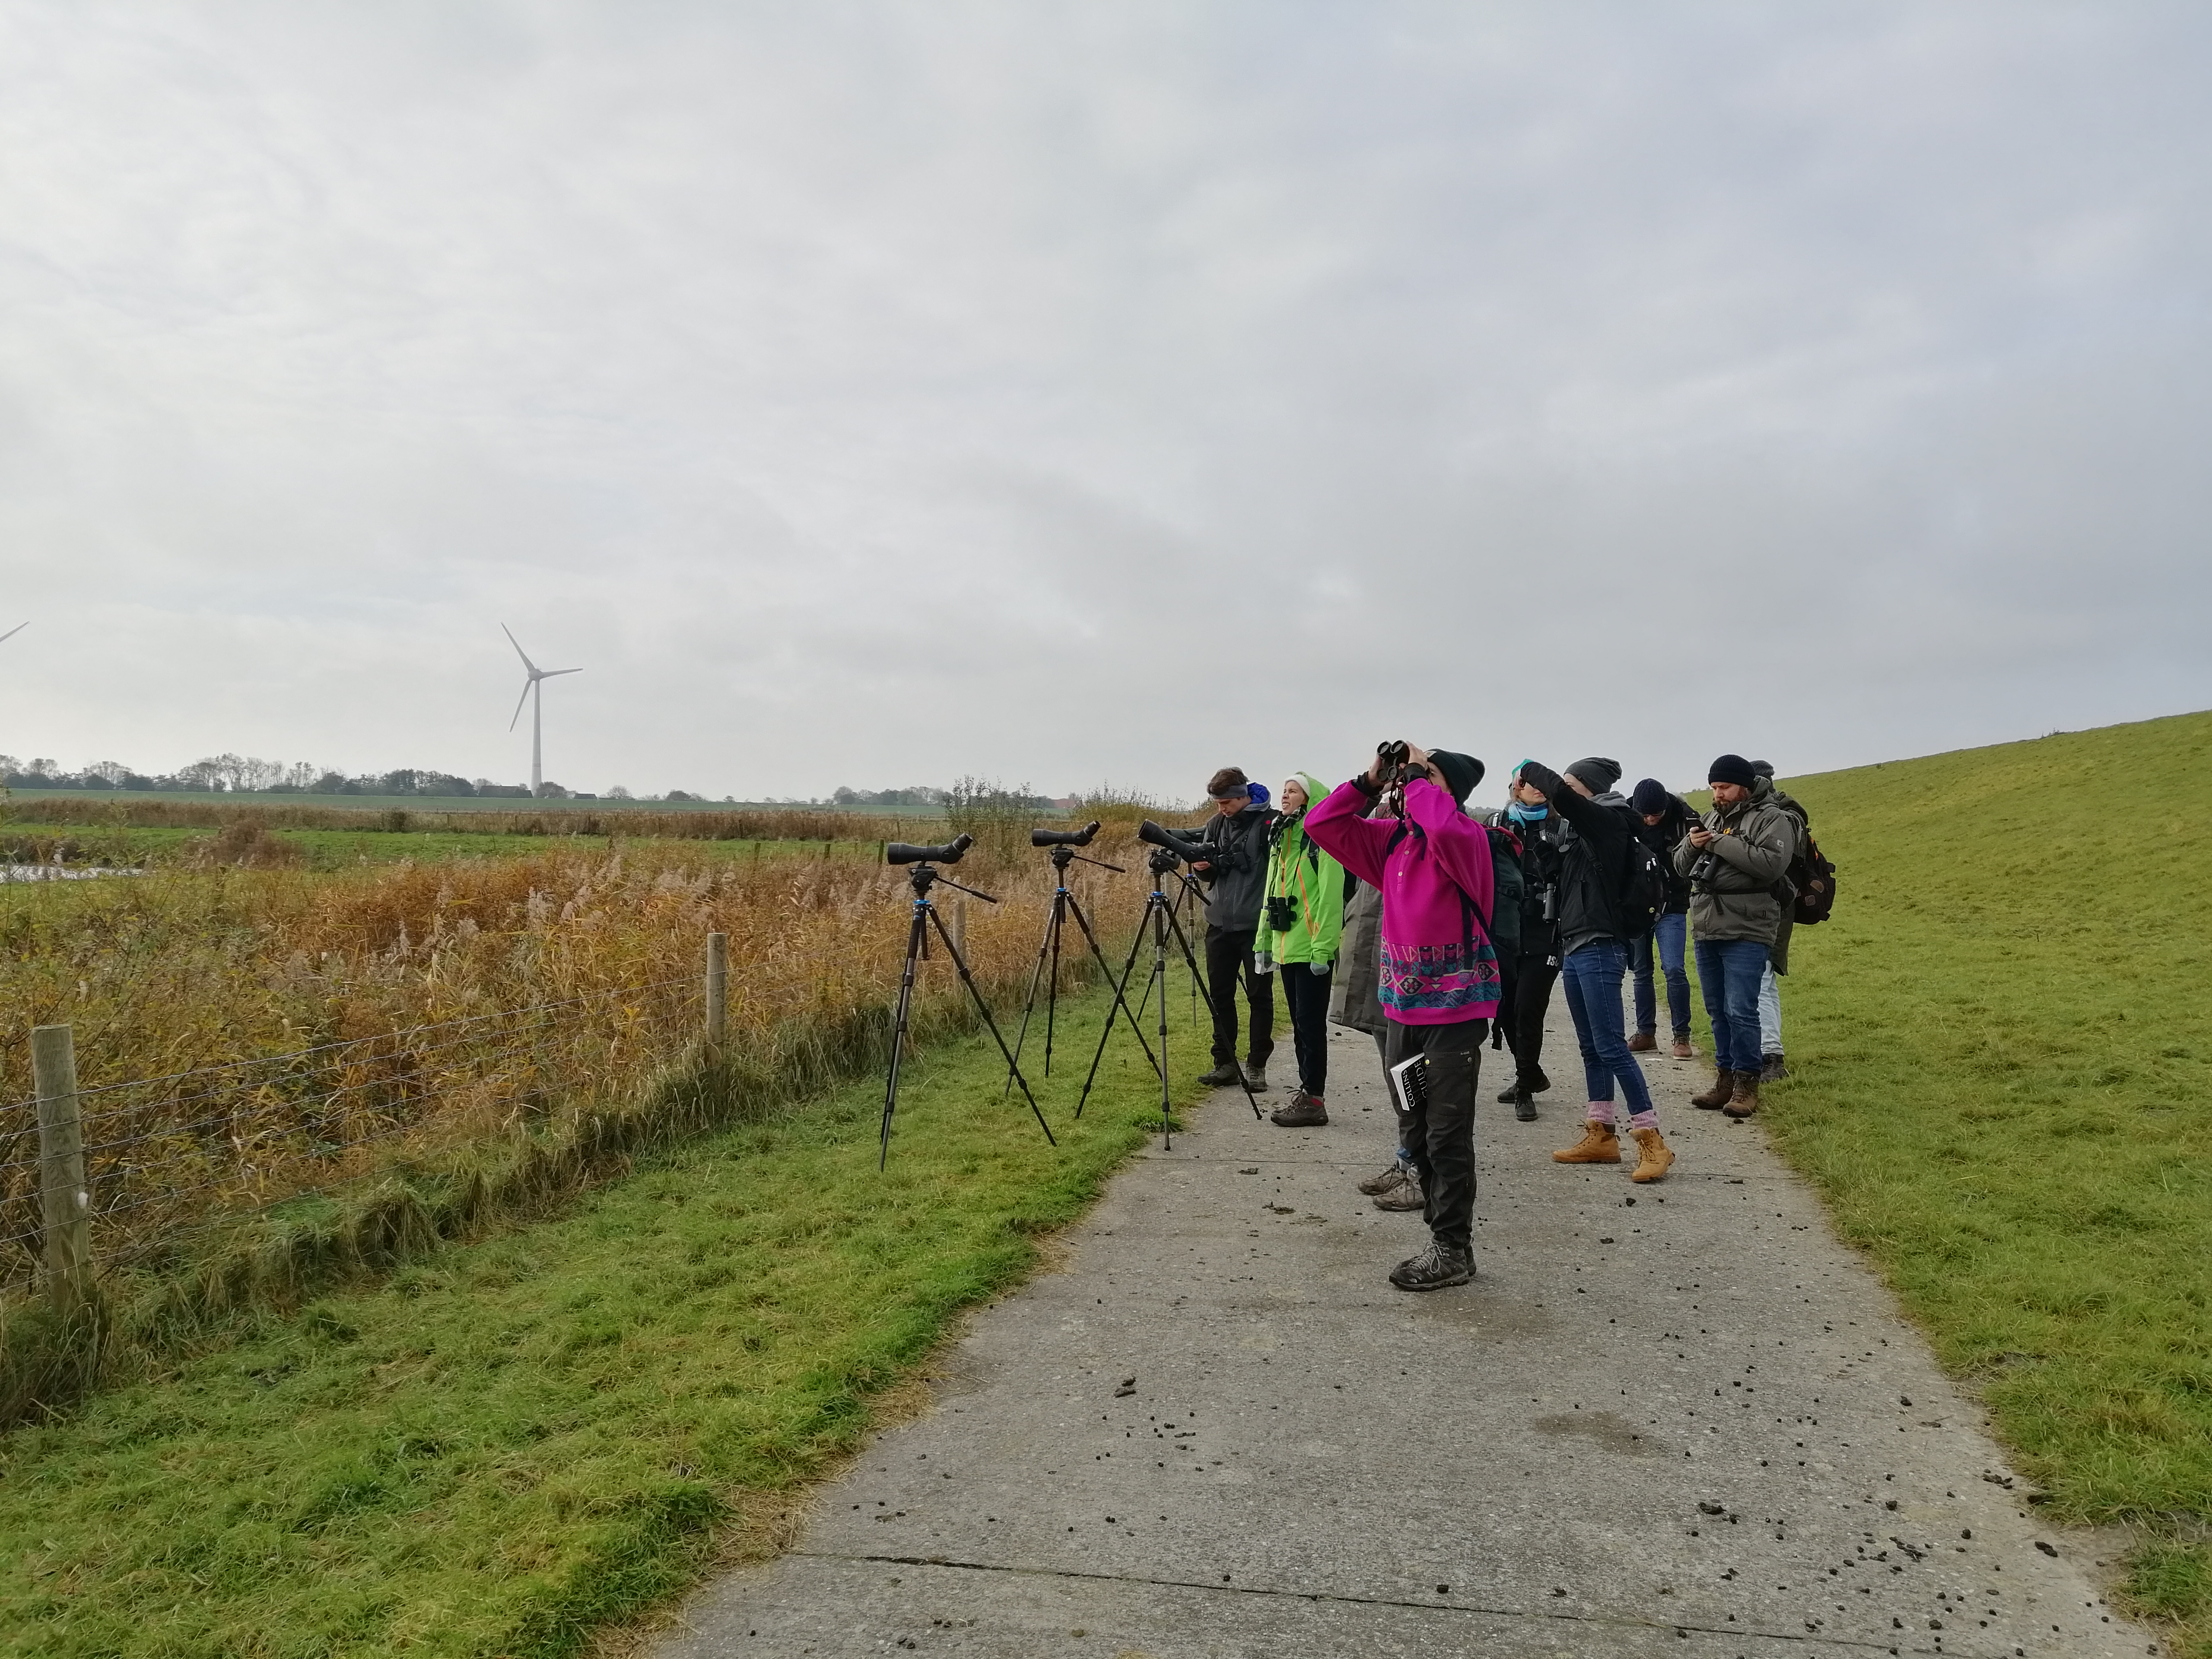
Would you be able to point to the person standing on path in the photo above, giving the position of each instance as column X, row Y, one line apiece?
column 1439, row 972
column 1772, row 1067
column 1593, row 952
column 1736, row 857
column 1532, row 967
column 1301, row 923
column 1234, row 870
column 1662, row 819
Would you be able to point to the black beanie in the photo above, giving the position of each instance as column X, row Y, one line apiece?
column 1599, row 773
column 1460, row 772
column 1763, row 769
column 1650, row 797
column 1732, row 768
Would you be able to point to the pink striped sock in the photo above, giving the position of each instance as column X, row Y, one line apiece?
column 1600, row 1111
column 1644, row 1121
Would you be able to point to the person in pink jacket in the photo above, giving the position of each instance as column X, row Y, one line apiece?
column 1437, row 970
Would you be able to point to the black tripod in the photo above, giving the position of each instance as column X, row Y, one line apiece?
column 920, row 878
column 1064, row 905
column 1159, row 913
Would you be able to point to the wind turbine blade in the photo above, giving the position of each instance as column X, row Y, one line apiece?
column 519, row 651
column 519, row 701
column 16, row 629
column 548, row 673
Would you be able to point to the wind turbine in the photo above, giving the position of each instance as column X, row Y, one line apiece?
column 536, row 697
column 12, row 632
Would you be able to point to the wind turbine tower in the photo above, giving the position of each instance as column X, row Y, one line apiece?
column 533, row 694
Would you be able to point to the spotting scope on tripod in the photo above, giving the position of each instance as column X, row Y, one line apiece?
column 922, row 878
column 1062, row 844
column 1169, row 852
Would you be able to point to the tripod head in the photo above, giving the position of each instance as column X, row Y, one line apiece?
column 1161, row 861
column 1064, row 855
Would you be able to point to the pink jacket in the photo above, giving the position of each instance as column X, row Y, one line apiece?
column 1441, row 857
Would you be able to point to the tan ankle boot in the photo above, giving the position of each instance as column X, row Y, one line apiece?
column 1719, row 1095
column 1598, row 1144
column 1745, row 1100
column 1654, row 1157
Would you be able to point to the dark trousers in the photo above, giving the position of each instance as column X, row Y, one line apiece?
column 1524, row 997
column 1305, row 988
column 1730, row 969
column 1228, row 953
column 1594, row 974
column 1441, row 1138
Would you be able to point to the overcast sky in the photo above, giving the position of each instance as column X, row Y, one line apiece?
column 868, row 394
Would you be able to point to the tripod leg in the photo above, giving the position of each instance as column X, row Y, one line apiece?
column 1060, row 900
column 1128, row 968
column 914, row 939
column 1050, row 941
column 1163, row 919
column 1121, row 1004
column 1212, row 991
column 990, row 1024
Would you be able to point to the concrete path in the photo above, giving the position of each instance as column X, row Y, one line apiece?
column 1678, row 1421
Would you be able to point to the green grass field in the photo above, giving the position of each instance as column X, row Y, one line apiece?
column 523, row 1437
column 2003, row 1052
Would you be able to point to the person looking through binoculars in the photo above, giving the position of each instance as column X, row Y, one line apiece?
column 1436, row 968
column 1301, row 920
column 1234, row 870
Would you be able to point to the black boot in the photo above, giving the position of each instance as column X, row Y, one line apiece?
column 1223, row 1073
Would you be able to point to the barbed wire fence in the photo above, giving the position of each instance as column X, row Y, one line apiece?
column 95, row 1179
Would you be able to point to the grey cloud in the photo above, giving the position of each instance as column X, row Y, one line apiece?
column 874, row 391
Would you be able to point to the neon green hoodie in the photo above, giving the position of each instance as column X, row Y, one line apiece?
column 1313, row 884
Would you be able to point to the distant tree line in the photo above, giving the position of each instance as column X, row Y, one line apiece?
column 250, row 775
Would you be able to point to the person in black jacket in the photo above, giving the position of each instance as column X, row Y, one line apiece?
column 1662, row 819
column 1235, row 875
column 1525, row 980
column 1594, row 949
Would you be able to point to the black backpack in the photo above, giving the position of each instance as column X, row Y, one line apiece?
column 1641, row 898
column 1814, row 878
column 1508, row 888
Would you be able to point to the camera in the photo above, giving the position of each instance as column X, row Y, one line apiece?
column 1707, row 867
column 1282, row 913
column 952, row 852
column 1189, row 850
column 1064, row 837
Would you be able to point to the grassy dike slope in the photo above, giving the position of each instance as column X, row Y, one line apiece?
column 2004, row 1046
column 523, row 1437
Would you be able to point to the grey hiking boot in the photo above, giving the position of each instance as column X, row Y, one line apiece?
column 1255, row 1077
column 1375, row 1186
column 1771, row 1069
column 1221, row 1076
column 1433, row 1269
column 1406, row 1195
column 1303, row 1112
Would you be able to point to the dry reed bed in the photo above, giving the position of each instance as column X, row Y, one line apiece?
column 401, row 1010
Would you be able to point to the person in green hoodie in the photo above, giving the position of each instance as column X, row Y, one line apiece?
column 1301, row 920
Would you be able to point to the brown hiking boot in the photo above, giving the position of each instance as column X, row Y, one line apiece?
column 1598, row 1144
column 1654, row 1157
column 1644, row 1042
column 1745, row 1100
column 1719, row 1095
column 1681, row 1048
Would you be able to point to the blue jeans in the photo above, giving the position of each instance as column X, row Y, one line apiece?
column 1592, row 975
column 1730, row 969
column 1672, row 933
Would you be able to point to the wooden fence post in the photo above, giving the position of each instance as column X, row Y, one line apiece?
column 960, row 925
column 717, row 987
column 64, row 1202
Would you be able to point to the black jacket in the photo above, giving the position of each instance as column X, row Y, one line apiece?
column 1662, row 838
column 1237, row 874
column 1594, row 847
column 1543, row 852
